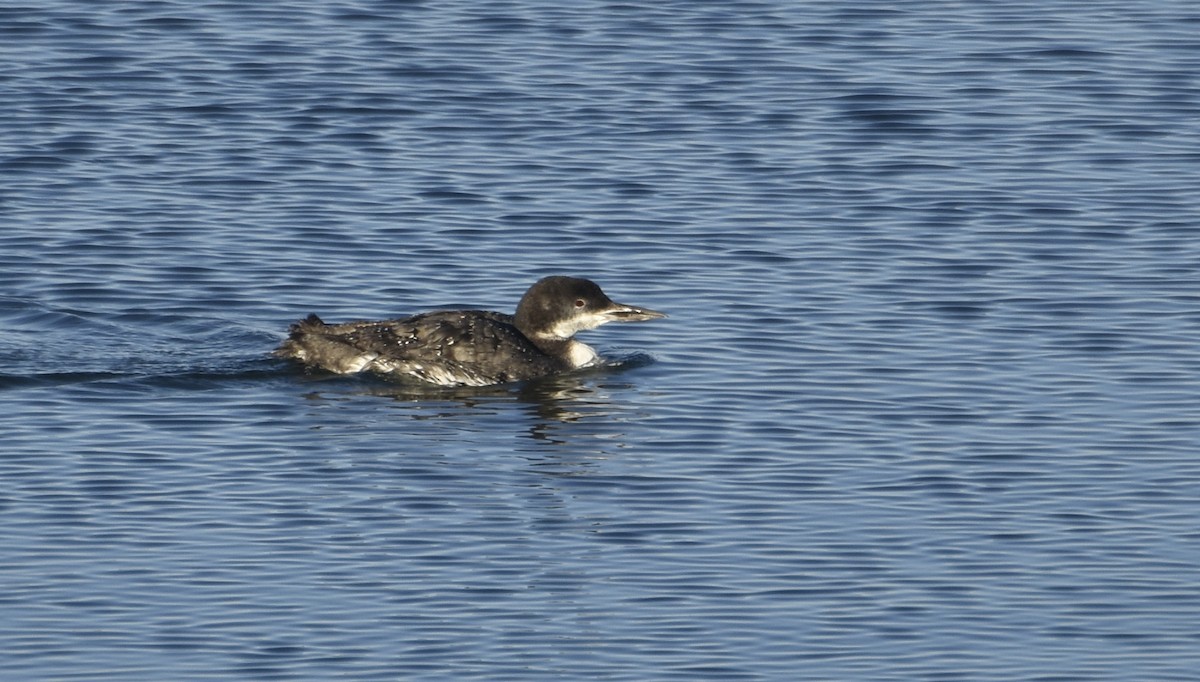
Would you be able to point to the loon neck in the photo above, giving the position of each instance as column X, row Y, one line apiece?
column 579, row 354
column 571, row 352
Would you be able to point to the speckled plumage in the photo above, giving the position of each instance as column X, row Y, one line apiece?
column 467, row 347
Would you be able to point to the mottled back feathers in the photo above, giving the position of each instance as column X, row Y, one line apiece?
column 460, row 347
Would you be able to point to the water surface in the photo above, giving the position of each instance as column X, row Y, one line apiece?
column 925, row 407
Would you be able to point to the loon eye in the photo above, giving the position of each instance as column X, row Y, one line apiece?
column 579, row 303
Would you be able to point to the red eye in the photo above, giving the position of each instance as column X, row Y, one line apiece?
column 579, row 303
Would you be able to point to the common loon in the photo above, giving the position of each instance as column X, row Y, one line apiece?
column 468, row 347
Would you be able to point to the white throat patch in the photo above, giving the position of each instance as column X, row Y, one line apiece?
column 567, row 328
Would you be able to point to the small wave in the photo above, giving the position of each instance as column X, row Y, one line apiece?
column 16, row 381
column 250, row 370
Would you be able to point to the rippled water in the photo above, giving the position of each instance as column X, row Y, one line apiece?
column 925, row 407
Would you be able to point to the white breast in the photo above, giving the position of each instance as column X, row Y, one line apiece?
column 580, row 354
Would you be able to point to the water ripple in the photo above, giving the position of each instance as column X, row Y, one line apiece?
column 927, row 384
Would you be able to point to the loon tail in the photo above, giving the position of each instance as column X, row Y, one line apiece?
column 330, row 347
column 293, row 347
column 310, row 323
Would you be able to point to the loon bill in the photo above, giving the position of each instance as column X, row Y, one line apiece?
column 468, row 347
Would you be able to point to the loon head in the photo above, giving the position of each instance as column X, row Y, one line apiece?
column 556, row 307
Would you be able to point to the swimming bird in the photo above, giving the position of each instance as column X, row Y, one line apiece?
column 468, row 347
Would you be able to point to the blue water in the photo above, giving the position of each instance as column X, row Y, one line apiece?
column 926, row 407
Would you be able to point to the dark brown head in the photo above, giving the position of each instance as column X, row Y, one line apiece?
column 556, row 307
